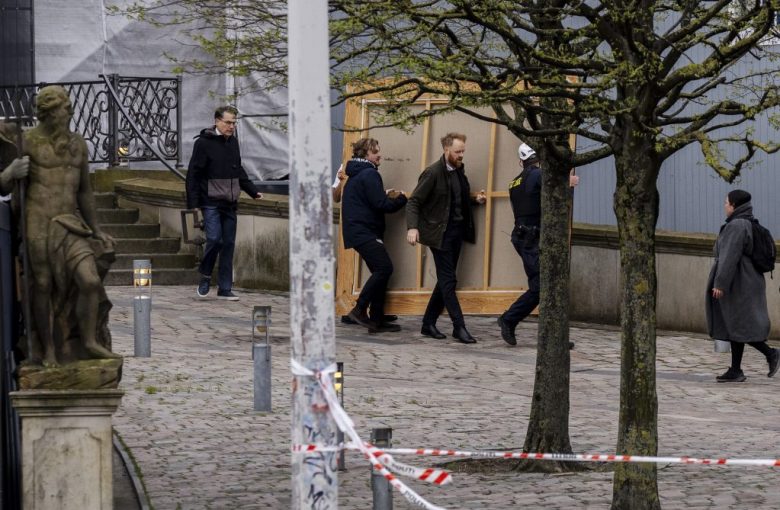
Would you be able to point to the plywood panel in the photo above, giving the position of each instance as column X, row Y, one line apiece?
column 472, row 258
column 477, row 143
column 507, row 165
column 506, row 267
column 490, row 274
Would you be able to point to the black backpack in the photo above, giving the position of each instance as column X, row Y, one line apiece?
column 764, row 252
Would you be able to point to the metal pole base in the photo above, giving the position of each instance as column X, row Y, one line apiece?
column 142, row 326
column 261, row 354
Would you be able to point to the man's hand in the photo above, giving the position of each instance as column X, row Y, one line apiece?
column 573, row 180
column 717, row 293
column 18, row 169
column 258, row 196
column 413, row 236
column 481, row 197
column 392, row 193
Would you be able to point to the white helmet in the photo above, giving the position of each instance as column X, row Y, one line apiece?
column 525, row 152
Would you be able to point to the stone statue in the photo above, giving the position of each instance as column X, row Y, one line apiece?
column 68, row 253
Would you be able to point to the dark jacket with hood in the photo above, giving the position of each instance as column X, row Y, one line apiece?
column 364, row 204
column 215, row 176
column 429, row 206
column 741, row 314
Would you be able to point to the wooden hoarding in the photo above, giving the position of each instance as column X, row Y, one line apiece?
column 490, row 273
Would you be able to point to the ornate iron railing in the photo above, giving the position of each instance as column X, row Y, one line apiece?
column 121, row 118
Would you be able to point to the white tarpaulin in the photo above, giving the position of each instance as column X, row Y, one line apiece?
column 77, row 40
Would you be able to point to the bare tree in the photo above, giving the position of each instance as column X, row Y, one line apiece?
column 639, row 80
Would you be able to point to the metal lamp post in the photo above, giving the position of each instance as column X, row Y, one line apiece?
column 261, row 357
column 142, row 308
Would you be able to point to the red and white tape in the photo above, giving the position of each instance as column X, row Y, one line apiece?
column 325, row 380
column 572, row 457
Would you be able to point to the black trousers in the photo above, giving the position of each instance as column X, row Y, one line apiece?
column 738, row 348
column 446, row 260
column 528, row 248
column 373, row 294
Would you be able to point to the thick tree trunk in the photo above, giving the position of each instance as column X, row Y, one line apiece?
column 635, row 486
column 548, row 426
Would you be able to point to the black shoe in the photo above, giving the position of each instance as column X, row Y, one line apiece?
column 359, row 316
column 462, row 335
column 507, row 333
column 226, row 295
column 731, row 376
column 774, row 362
column 384, row 327
column 203, row 286
column 385, row 318
column 571, row 346
column 431, row 331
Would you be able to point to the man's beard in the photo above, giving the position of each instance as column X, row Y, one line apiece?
column 62, row 142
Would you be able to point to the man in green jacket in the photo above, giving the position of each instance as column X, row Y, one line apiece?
column 438, row 215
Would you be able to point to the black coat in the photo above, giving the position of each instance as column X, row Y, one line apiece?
column 364, row 204
column 429, row 206
column 215, row 176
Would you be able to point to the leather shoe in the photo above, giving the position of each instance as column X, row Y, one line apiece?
column 385, row 318
column 462, row 335
column 360, row 317
column 507, row 333
column 384, row 327
column 432, row 331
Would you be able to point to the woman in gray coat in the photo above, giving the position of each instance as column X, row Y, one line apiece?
column 736, row 290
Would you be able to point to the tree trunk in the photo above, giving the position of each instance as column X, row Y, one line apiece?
column 548, row 425
column 635, row 486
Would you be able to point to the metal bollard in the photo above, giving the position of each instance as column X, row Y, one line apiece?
column 380, row 486
column 338, row 382
column 142, row 308
column 261, row 356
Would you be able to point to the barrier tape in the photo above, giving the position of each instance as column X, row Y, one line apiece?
column 430, row 475
column 567, row 457
column 344, row 422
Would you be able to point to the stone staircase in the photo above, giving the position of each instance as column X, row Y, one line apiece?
column 142, row 241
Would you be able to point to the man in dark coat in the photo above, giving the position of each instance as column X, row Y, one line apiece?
column 736, row 291
column 215, row 179
column 438, row 215
column 364, row 205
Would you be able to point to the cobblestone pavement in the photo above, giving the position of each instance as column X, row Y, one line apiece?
column 187, row 413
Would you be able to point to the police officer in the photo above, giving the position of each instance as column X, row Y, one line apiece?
column 525, row 195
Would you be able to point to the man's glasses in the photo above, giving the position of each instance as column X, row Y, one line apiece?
column 228, row 122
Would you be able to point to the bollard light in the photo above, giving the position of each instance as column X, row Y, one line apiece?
column 261, row 356
column 142, row 308
column 338, row 384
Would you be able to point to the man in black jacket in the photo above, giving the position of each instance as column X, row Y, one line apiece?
column 438, row 215
column 364, row 205
column 525, row 195
column 215, row 179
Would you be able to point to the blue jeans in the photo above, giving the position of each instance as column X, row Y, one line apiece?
column 528, row 249
column 219, row 224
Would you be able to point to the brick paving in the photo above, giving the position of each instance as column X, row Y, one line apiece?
column 187, row 413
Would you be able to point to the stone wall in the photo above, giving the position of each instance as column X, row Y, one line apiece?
column 261, row 260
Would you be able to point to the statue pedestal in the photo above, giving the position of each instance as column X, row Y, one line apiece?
column 66, row 448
